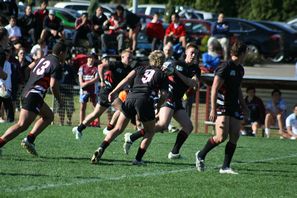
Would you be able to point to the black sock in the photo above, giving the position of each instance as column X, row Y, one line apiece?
column 138, row 134
column 31, row 138
column 2, row 142
column 104, row 144
column 110, row 127
column 229, row 151
column 81, row 127
column 140, row 154
column 180, row 139
column 210, row 144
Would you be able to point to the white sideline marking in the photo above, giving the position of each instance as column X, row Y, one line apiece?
column 158, row 173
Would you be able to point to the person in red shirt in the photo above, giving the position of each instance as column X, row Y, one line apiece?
column 155, row 32
column 176, row 31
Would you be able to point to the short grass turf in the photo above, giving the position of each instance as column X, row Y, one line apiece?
column 267, row 168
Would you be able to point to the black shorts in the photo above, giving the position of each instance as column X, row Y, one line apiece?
column 229, row 111
column 173, row 104
column 144, row 107
column 32, row 102
column 103, row 97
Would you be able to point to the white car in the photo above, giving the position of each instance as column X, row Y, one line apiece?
column 82, row 7
column 150, row 9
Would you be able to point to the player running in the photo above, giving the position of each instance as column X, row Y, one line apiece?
column 146, row 81
column 185, row 76
column 110, row 73
column 46, row 73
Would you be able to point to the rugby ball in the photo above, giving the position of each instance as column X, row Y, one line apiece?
column 168, row 67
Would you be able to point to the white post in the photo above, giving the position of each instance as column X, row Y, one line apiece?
column 135, row 5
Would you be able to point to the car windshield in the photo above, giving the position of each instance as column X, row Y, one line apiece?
column 286, row 26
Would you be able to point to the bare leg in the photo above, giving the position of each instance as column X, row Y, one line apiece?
column 25, row 120
column 46, row 117
column 97, row 112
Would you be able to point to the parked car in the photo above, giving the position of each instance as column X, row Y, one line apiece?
column 260, row 39
column 82, row 7
column 195, row 14
column 289, row 40
column 150, row 9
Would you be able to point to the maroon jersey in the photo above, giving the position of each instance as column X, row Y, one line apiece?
column 88, row 73
column 40, row 76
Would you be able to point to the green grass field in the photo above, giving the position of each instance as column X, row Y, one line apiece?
column 267, row 168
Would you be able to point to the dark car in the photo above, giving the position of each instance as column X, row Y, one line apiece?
column 260, row 39
column 289, row 38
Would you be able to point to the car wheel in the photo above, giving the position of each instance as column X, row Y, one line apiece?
column 278, row 58
column 253, row 50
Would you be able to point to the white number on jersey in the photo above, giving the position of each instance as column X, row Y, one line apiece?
column 41, row 66
column 148, row 75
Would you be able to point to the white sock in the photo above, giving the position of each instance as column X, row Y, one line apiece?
column 267, row 131
column 254, row 132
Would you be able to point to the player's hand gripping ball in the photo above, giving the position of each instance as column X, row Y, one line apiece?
column 168, row 67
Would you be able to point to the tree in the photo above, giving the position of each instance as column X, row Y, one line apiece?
column 289, row 9
column 266, row 9
column 228, row 7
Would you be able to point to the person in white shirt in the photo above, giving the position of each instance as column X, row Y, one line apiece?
column 14, row 31
column 5, row 90
column 275, row 112
column 291, row 124
column 41, row 45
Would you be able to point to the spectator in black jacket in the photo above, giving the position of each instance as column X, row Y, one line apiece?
column 27, row 24
column 52, row 26
column 97, row 21
column 130, row 20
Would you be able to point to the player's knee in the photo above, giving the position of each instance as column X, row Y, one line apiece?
column 219, row 138
column 279, row 116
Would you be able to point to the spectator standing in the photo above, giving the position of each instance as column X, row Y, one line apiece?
column 88, row 78
column 28, row 24
column 175, row 32
column 256, row 110
column 155, row 32
column 131, row 21
column 83, row 30
column 291, row 124
column 220, row 31
column 275, row 112
column 40, row 15
column 6, row 89
column 4, row 41
column 14, row 31
column 66, row 92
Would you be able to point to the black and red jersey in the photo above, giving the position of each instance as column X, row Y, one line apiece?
column 177, row 88
column 147, row 82
column 40, row 76
column 232, row 74
column 116, row 72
